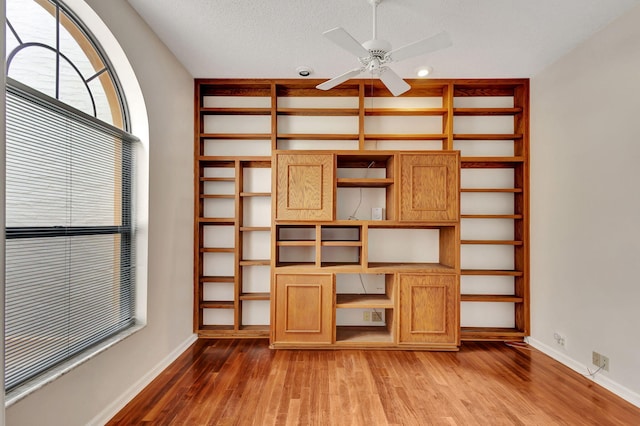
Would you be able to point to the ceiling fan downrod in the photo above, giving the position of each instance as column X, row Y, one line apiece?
column 378, row 49
column 374, row 4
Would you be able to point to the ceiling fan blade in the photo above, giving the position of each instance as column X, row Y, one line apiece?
column 394, row 83
column 330, row 84
column 343, row 39
column 420, row 47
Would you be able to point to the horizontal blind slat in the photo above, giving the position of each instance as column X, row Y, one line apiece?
column 69, row 265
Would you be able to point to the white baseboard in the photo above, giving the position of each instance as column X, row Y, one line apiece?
column 112, row 409
column 604, row 381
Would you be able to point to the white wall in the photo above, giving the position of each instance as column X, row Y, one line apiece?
column 585, row 227
column 95, row 390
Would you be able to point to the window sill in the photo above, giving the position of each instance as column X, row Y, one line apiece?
column 41, row 381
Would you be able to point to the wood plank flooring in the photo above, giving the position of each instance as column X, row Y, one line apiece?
column 243, row 382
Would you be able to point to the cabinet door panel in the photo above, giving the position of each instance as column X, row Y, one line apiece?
column 305, row 187
column 303, row 308
column 429, row 187
column 429, row 309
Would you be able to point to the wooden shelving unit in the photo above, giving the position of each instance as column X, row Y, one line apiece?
column 517, row 164
column 240, row 123
column 419, row 297
column 221, row 228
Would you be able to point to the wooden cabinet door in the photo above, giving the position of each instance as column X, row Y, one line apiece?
column 305, row 187
column 429, row 309
column 304, row 308
column 429, row 187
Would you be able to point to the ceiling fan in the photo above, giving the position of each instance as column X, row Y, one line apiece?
column 375, row 54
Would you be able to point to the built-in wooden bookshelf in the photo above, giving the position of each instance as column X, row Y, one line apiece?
column 240, row 124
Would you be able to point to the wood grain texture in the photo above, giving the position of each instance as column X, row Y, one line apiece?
column 303, row 308
column 304, row 186
column 428, row 309
column 429, row 187
column 242, row 382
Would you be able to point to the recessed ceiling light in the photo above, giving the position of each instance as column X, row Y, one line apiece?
column 304, row 71
column 424, row 71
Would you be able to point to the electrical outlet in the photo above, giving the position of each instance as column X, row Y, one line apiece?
column 376, row 316
column 366, row 316
column 600, row 360
column 604, row 362
column 560, row 339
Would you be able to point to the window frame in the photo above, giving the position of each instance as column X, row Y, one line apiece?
column 126, row 228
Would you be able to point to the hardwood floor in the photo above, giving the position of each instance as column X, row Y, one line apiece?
column 243, row 382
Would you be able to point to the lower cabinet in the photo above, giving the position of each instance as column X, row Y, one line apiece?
column 428, row 309
column 304, row 308
column 426, row 314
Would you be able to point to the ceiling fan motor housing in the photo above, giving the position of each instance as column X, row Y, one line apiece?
column 377, row 48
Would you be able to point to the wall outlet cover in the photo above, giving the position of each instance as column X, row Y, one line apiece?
column 377, row 213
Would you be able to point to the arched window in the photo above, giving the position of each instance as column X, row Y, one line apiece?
column 49, row 50
column 69, row 186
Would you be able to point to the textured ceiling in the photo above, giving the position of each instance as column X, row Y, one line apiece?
column 270, row 38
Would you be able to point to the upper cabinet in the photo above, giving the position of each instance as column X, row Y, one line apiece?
column 305, row 186
column 429, row 187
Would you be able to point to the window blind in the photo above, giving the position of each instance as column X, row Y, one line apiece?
column 69, row 233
